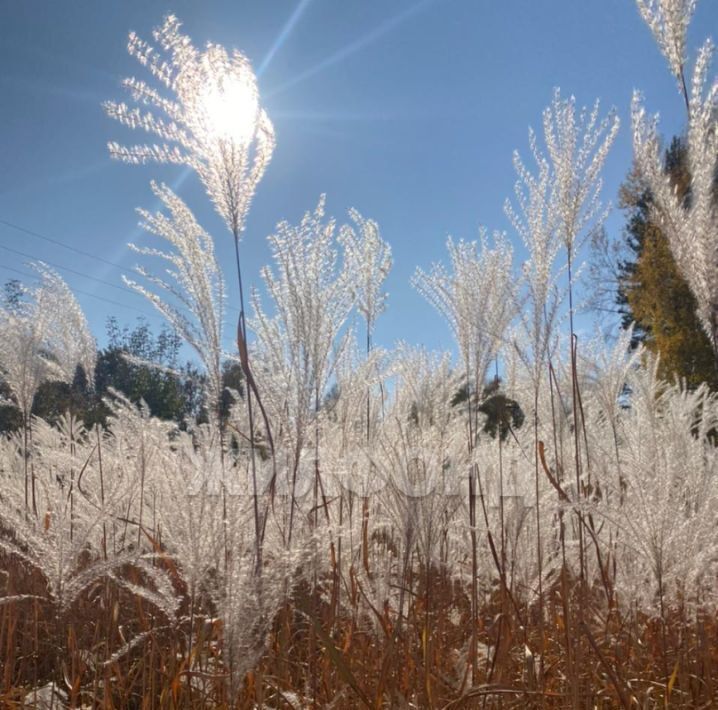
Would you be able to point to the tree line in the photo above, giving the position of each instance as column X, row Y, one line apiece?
column 142, row 365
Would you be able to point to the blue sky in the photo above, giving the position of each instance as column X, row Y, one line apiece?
column 407, row 110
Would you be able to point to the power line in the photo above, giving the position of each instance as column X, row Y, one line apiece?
column 77, row 290
column 64, row 245
column 59, row 243
column 67, row 268
column 28, row 275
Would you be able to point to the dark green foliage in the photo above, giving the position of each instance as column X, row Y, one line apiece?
column 10, row 416
column 12, row 294
column 173, row 390
column 502, row 413
column 168, row 388
column 53, row 399
column 652, row 293
column 233, row 381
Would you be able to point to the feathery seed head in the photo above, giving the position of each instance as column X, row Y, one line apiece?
column 213, row 123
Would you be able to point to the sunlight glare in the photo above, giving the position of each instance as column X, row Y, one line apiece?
column 231, row 109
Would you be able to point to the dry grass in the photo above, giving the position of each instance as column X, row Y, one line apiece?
column 361, row 657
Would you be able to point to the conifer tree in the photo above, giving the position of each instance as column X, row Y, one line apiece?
column 653, row 293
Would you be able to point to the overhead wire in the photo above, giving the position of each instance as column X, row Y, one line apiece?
column 27, row 274
column 87, row 254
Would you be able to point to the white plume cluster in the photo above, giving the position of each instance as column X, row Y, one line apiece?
column 669, row 20
column 193, row 302
column 44, row 337
column 361, row 475
column 212, row 122
column 690, row 219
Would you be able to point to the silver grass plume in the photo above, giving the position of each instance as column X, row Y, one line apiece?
column 44, row 338
column 312, row 296
column 299, row 344
column 691, row 222
column 212, row 122
column 557, row 205
column 69, row 338
column 193, row 289
column 577, row 146
column 475, row 297
column 421, row 452
column 370, row 260
column 534, row 219
column 348, row 422
column 667, row 493
column 64, row 540
column 668, row 21
column 477, row 301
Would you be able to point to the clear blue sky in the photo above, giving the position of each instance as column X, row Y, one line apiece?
column 408, row 111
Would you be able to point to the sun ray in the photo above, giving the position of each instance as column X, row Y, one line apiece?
column 355, row 46
column 284, row 34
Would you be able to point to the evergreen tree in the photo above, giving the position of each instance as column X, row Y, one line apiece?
column 502, row 413
column 137, row 363
column 166, row 386
column 652, row 293
column 10, row 416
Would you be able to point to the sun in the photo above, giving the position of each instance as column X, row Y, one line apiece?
column 230, row 107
